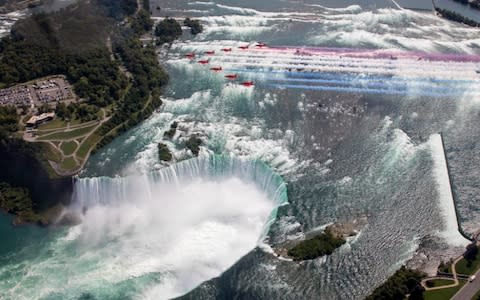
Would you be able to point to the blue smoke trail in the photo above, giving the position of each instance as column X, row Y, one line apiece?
column 364, row 90
column 379, row 84
column 350, row 77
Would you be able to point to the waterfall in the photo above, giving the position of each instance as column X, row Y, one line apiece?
column 111, row 191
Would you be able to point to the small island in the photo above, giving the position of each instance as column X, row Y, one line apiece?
column 164, row 153
column 318, row 246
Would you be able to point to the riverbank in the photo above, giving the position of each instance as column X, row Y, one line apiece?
column 95, row 62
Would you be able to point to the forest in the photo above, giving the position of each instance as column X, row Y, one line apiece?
column 399, row 285
column 320, row 245
column 73, row 42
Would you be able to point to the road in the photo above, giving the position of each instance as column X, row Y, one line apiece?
column 469, row 289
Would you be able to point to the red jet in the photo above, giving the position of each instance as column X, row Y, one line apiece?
column 243, row 47
column 260, row 45
column 190, row 55
column 203, row 62
column 209, row 52
column 216, row 69
column 248, row 83
column 231, row 76
column 227, row 49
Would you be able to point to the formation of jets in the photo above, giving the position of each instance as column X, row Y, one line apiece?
column 192, row 55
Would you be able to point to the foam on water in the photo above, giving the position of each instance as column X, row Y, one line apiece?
column 446, row 201
column 155, row 236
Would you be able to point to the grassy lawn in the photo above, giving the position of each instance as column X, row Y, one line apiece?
column 86, row 145
column 66, row 135
column 462, row 267
column 51, row 153
column 68, row 164
column 55, row 123
column 68, row 147
column 440, row 282
column 442, row 294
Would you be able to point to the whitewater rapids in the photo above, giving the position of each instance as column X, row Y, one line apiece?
column 155, row 236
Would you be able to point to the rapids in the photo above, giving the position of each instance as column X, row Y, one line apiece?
column 345, row 130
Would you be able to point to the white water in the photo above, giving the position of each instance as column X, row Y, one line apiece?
column 153, row 236
column 182, row 225
column 440, row 172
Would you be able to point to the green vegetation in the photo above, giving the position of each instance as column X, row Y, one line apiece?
column 68, row 147
column 445, row 267
column 75, row 111
column 67, row 135
column 451, row 15
column 8, row 121
column 195, row 26
column 163, row 153
column 75, row 42
column 54, row 124
column 88, row 144
column 143, row 96
column 68, row 164
column 142, row 22
column 322, row 244
column 403, row 282
column 167, row 31
column 171, row 132
column 470, row 262
column 442, row 294
column 194, row 144
column 16, row 200
column 466, row 267
column 439, row 282
column 93, row 74
column 474, row 4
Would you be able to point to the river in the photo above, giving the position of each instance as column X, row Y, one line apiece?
column 341, row 122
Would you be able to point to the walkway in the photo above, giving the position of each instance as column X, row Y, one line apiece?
column 455, row 278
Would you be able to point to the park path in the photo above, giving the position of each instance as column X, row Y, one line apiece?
column 455, row 278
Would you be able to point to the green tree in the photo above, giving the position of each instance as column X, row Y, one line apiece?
column 168, row 30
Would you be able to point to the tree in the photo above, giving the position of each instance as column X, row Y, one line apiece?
column 142, row 22
column 168, row 30
column 195, row 26
column 471, row 252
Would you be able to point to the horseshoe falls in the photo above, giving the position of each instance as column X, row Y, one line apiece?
column 340, row 121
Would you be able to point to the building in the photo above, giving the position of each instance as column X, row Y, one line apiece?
column 35, row 121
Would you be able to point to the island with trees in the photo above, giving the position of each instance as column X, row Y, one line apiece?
column 318, row 246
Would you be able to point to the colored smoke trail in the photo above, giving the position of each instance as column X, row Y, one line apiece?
column 373, row 54
column 367, row 90
column 354, row 70
column 348, row 77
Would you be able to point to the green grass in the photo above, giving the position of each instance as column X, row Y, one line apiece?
column 55, row 123
column 87, row 145
column 462, row 268
column 68, row 164
column 51, row 153
column 67, row 135
column 68, row 147
column 440, row 282
column 443, row 294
